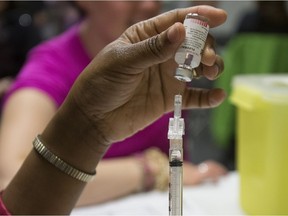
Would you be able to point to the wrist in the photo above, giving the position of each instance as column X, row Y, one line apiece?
column 74, row 139
column 160, row 167
column 154, row 164
column 148, row 176
column 58, row 163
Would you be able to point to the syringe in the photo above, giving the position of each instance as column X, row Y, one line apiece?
column 175, row 134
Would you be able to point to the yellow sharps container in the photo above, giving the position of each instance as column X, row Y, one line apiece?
column 262, row 142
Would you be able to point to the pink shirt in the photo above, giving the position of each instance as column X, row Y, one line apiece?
column 3, row 209
column 52, row 68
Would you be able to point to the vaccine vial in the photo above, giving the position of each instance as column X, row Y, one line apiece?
column 188, row 55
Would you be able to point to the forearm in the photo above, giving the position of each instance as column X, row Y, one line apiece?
column 40, row 187
column 118, row 177
column 19, row 127
column 115, row 178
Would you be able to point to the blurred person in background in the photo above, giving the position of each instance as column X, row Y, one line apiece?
column 45, row 81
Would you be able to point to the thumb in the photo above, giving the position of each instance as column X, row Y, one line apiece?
column 157, row 49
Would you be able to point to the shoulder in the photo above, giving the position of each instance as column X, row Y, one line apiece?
column 59, row 45
column 52, row 67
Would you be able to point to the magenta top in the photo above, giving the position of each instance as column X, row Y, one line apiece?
column 52, row 68
column 3, row 209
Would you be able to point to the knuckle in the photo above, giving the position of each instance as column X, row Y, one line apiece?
column 154, row 45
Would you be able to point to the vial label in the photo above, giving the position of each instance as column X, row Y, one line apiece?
column 188, row 56
column 189, row 53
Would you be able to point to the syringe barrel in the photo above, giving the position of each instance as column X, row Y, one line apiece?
column 175, row 135
column 175, row 190
column 176, row 177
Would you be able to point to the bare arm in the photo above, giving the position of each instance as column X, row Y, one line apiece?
column 115, row 178
column 25, row 114
column 40, row 187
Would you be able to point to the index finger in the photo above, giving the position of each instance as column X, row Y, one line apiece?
column 215, row 16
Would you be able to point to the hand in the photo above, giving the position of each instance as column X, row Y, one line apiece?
column 131, row 82
column 207, row 171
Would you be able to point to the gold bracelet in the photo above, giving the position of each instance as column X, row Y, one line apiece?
column 59, row 163
column 162, row 175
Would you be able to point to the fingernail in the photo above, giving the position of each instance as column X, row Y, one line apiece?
column 213, row 72
column 216, row 70
column 216, row 97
